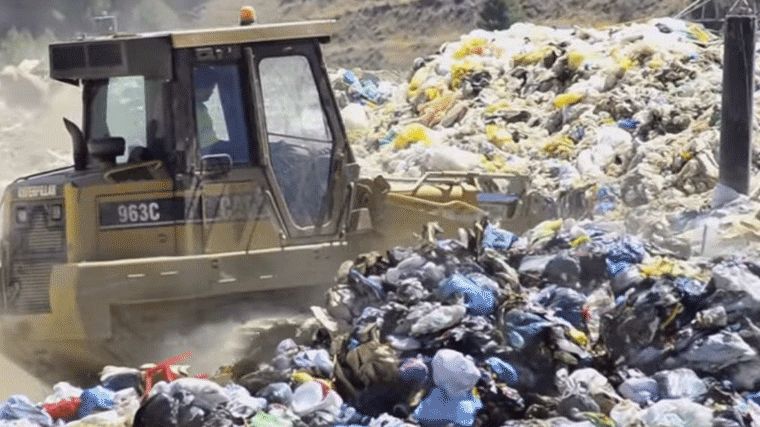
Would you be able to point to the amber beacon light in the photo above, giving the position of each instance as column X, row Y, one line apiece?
column 247, row 15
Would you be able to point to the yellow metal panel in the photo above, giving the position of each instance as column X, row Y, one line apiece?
column 73, row 222
column 253, row 33
column 137, row 241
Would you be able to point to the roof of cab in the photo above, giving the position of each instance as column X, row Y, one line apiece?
column 252, row 33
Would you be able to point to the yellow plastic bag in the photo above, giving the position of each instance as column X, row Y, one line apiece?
column 623, row 61
column 460, row 70
column 698, row 33
column 562, row 145
column 498, row 135
column 498, row 163
column 415, row 84
column 300, row 377
column 660, row 267
column 432, row 93
column 578, row 241
column 471, row 46
column 412, row 133
column 530, row 58
column 578, row 336
column 575, row 59
column 565, row 99
column 545, row 231
column 656, row 63
column 501, row 105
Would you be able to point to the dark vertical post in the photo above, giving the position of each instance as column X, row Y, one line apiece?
column 736, row 117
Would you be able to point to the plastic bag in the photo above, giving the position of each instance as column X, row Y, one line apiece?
column 439, row 409
column 413, row 371
column 312, row 396
column 64, row 409
column 19, row 406
column 438, row 319
column 241, row 404
column 565, row 99
column 95, row 398
column 318, row 361
column 471, row 46
column 479, row 301
column 677, row 413
column 278, row 392
column 498, row 135
column 412, row 133
column 496, row 238
column 680, row 383
column 207, row 394
column 454, row 373
column 503, row 370
column 639, row 390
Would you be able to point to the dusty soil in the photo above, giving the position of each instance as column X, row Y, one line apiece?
column 390, row 34
column 16, row 380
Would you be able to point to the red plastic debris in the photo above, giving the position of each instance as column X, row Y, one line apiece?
column 163, row 368
column 586, row 314
column 64, row 409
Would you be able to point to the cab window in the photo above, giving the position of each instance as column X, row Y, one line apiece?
column 300, row 140
column 220, row 122
column 118, row 110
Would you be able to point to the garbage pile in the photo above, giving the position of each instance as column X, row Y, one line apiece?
column 629, row 112
column 571, row 324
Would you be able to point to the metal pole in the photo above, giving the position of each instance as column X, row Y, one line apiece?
column 736, row 117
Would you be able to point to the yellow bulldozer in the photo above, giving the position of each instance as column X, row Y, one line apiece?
column 211, row 181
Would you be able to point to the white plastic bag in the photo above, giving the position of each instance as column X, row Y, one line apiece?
column 454, row 372
column 311, row 397
column 677, row 413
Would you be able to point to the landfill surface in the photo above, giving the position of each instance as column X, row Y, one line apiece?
column 640, row 307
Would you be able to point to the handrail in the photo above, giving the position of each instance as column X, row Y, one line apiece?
column 464, row 206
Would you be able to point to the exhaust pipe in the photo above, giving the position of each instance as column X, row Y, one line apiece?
column 81, row 153
column 736, row 106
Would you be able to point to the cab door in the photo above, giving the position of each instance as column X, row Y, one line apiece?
column 302, row 139
column 229, row 208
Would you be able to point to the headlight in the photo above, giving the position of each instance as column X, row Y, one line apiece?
column 56, row 212
column 22, row 216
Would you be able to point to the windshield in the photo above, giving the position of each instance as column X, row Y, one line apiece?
column 127, row 107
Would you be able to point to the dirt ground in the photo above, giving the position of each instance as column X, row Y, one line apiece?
column 15, row 380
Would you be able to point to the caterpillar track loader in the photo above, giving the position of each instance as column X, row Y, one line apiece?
column 211, row 182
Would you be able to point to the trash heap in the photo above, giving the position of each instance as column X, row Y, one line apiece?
column 571, row 324
column 630, row 111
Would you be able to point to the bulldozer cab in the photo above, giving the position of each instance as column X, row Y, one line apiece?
column 241, row 122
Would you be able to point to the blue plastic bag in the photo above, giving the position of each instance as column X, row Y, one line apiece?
column 622, row 253
column 375, row 287
column 95, row 398
column 523, row 329
column 567, row 303
column 503, row 370
column 19, row 407
column 628, row 124
column 754, row 397
column 479, row 301
column 496, row 238
column 318, row 360
column 438, row 409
